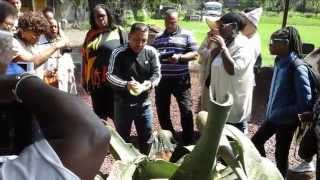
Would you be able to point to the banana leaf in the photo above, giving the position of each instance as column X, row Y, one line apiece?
column 199, row 164
column 120, row 149
column 242, row 159
column 256, row 166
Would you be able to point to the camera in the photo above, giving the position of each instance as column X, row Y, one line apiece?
column 166, row 55
column 66, row 49
column 26, row 66
column 15, row 128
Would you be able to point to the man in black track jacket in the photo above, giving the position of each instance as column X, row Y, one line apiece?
column 133, row 71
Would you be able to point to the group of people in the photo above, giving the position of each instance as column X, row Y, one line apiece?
column 228, row 56
column 66, row 131
column 120, row 69
column 41, row 45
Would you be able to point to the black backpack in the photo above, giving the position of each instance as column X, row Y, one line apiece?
column 305, row 134
column 311, row 62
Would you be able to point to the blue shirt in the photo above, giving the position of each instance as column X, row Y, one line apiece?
column 290, row 92
column 14, row 69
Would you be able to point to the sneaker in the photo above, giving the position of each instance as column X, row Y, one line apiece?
column 304, row 167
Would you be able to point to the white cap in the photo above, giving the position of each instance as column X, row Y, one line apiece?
column 253, row 16
column 211, row 21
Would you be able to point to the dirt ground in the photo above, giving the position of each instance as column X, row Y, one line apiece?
column 76, row 38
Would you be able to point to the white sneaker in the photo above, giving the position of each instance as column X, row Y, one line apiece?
column 304, row 167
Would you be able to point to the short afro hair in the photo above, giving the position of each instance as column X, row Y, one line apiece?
column 33, row 21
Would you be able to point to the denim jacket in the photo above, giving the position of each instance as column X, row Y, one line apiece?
column 290, row 91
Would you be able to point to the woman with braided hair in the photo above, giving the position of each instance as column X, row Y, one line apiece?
column 290, row 95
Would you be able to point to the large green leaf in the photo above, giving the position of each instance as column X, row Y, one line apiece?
column 255, row 166
column 199, row 164
column 155, row 169
column 122, row 150
column 241, row 158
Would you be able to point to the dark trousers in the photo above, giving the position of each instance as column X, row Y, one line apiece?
column 142, row 117
column 284, row 135
column 102, row 101
column 242, row 126
column 180, row 88
column 308, row 145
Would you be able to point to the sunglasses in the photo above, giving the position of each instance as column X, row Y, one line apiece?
column 279, row 41
column 98, row 16
column 233, row 24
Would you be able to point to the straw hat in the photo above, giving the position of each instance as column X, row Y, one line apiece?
column 253, row 16
column 211, row 21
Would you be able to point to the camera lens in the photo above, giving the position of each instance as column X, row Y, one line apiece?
column 66, row 50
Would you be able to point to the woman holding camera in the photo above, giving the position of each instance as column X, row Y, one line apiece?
column 232, row 68
column 31, row 25
column 103, row 37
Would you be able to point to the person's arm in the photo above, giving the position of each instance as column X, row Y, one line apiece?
column 191, row 51
column 72, row 129
column 204, row 51
column 114, row 71
column 41, row 57
column 155, row 68
column 228, row 62
column 189, row 56
column 302, row 89
column 238, row 61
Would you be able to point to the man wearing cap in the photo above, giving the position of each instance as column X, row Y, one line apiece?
column 176, row 47
column 252, row 17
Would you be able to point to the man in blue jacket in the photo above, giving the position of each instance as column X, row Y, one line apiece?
column 290, row 95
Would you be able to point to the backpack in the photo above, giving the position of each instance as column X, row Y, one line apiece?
column 311, row 63
column 306, row 132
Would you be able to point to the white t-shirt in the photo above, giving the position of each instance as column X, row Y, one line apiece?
column 37, row 162
column 240, row 85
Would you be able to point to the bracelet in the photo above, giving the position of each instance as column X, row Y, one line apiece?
column 20, row 78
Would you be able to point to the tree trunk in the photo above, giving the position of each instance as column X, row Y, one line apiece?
column 93, row 3
column 304, row 4
column 138, row 6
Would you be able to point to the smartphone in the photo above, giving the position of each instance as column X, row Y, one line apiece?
column 26, row 66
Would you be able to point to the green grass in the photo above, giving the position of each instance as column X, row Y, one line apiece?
column 309, row 29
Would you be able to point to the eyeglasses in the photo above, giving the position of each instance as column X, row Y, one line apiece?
column 233, row 24
column 8, row 25
column 279, row 41
column 98, row 16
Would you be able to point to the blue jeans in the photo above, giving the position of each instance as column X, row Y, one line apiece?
column 142, row 117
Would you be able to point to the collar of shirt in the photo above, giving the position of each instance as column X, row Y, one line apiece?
column 283, row 60
column 178, row 31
